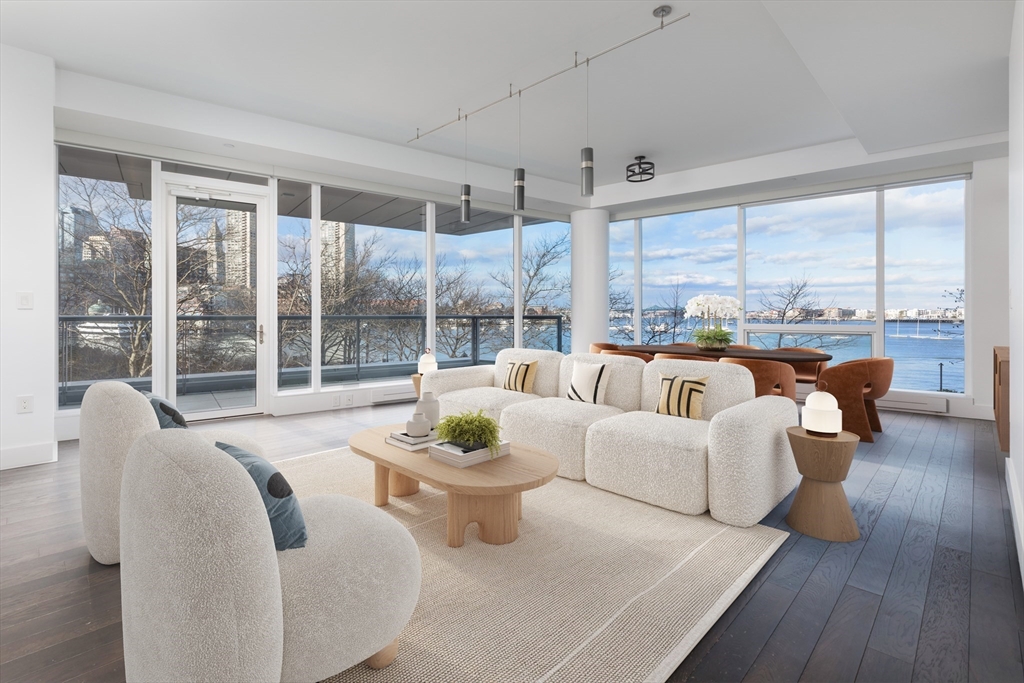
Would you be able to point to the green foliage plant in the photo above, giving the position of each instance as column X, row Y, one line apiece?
column 713, row 337
column 470, row 428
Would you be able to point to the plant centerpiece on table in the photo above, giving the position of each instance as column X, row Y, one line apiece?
column 470, row 431
column 713, row 311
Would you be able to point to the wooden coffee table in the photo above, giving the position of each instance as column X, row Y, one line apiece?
column 820, row 507
column 489, row 494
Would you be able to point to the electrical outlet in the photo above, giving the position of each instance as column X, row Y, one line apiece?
column 26, row 301
column 348, row 399
column 24, row 404
column 337, row 401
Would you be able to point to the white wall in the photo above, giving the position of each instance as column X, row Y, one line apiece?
column 1015, row 465
column 28, row 257
column 987, row 282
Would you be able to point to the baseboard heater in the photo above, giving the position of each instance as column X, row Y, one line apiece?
column 913, row 402
column 393, row 394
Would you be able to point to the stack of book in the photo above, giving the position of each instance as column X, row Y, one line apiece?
column 456, row 456
column 411, row 443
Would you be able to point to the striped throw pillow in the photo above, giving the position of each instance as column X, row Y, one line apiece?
column 589, row 382
column 519, row 376
column 682, row 396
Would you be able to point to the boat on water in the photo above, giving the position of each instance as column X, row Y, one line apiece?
column 918, row 335
column 898, row 335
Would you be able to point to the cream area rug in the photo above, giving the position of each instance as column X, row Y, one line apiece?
column 596, row 588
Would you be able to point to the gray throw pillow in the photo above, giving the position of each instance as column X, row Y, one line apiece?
column 169, row 416
column 286, row 520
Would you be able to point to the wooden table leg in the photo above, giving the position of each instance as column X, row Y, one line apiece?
column 821, row 509
column 384, row 658
column 496, row 516
column 519, row 506
column 400, row 485
column 380, row 485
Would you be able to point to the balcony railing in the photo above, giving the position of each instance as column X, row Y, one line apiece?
column 217, row 352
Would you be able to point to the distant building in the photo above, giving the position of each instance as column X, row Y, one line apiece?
column 337, row 249
column 240, row 249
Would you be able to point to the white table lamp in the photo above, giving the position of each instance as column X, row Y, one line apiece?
column 427, row 363
column 821, row 414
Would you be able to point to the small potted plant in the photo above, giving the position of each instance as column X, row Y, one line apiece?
column 470, row 431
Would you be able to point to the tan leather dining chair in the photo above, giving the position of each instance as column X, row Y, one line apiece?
column 645, row 357
column 598, row 347
column 806, row 371
column 857, row 384
column 771, row 378
column 681, row 356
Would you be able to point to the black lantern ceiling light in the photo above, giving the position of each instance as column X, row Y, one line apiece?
column 519, row 175
column 464, row 198
column 640, row 171
column 587, row 153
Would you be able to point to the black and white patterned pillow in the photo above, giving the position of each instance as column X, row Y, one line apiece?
column 589, row 382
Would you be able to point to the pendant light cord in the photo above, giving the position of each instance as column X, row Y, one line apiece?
column 519, row 133
column 588, row 102
column 465, row 151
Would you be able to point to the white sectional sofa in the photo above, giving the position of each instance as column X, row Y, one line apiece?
column 735, row 461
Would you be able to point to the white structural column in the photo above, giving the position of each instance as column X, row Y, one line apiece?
column 517, row 281
column 430, row 228
column 589, row 278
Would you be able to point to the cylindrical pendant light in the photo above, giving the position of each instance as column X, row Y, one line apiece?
column 518, row 189
column 587, row 171
column 587, row 153
column 519, row 175
column 464, row 198
column 464, row 205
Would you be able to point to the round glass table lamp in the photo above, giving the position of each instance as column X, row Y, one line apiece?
column 821, row 415
column 427, row 362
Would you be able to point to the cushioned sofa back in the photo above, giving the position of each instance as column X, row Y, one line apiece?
column 624, row 378
column 545, row 384
column 113, row 416
column 728, row 385
column 200, row 585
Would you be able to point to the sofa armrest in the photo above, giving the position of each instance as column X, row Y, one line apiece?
column 442, row 381
column 750, row 464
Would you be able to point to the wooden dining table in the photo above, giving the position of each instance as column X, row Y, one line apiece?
column 781, row 355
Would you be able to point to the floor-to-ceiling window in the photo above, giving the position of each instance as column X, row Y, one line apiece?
column 547, row 281
column 685, row 255
column 620, row 282
column 810, row 274
column 473, row 285
column 105, row 277
column 372, row 285
column 294, row 285
column 924, row 285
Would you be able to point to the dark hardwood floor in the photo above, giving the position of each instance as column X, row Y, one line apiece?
column 931, row 591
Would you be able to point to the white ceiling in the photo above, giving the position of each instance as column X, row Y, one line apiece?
column 734, row 80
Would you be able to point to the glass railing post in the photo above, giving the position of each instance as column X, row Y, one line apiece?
column 558, row 326
column 359, row 345
column 475, row 339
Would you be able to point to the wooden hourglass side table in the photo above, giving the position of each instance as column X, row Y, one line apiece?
column 820, row 507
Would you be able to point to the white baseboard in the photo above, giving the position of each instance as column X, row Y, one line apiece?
column 1014, row 485
column 23, row 456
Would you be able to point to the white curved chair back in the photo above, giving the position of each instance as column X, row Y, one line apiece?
column 113, row 416
column 200, row 585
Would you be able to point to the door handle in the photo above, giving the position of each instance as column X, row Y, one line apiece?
column 261, row 334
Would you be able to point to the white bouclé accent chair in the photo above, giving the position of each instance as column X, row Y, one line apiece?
column 113, row 416
column 206, row 597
